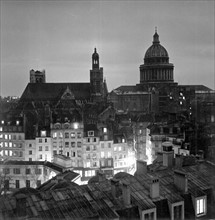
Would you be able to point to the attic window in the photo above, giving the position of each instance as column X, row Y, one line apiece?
column 200, row 207
column 90, row 133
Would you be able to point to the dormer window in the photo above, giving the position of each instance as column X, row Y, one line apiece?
column 90, row 133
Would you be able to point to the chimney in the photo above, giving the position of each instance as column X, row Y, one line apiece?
column 168, row 154
column 178, row 160
column 180, row 180
column 126, row 194
column 114, row 187
column 141, row 167
column 154, row 188
column 101, row 176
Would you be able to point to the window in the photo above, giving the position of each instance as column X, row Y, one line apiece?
column 72, row 144
column 60, row 135
column 66, row 135
column 72, row 134
column 47, row 148
column 102, row 145
column 149, row 216
column 54, row 135
column 109, row 154
column 40, row 156
column 30, row 152
column 95, row 164
column 120, row 156
column 109, row 163
column 94, row 139
column 43, row 134
column 40, row 140
column 28, row 183
column 66, row 144
column 16, row 170
column 79, row 144
column 79, row 153
column 30, row 159
column 87, row 148
column 6, row 144
column 90, row 133
column 38, row 183
column 79, row 135
column 17, row 184
column 38, row 171
column 102, row 154
column 27, row 171
column 1, row 129
column 94, row 156
column 120, row 148
column 178, row 212
column 88, row 164
column 14, row 137
column 88, row 156
column 45, row 140
column 54, row 152
column 109, row 145
column 6, row 184
column 72, row 153
column 115, row 149
column 67, row 154
column 105, row 130
column 88, row 140
column 30, row 145
column 40, row 148
column 94, row 147
column 6, row 170
column 200, row 206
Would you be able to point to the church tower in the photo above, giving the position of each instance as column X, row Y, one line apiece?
column 37, row 76
column 96, row 77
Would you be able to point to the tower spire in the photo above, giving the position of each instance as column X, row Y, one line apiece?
column 156, row 37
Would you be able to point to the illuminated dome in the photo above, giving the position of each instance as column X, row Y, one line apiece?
column 156, row 53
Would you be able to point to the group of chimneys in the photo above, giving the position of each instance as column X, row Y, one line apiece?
column 180, row 178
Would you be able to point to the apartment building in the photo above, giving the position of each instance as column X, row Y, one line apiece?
column 12, row 138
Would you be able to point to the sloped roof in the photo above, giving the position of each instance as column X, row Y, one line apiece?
column 54, row 91
column 196, row 87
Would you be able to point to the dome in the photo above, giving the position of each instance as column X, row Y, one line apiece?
column 156, row 50
column 156, row 53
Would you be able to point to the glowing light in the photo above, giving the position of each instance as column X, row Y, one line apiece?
column 149, row 152
column 75, row 125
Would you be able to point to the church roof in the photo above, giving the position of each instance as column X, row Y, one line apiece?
column 54, row 91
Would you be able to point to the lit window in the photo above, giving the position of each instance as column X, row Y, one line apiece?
column 6, row 144
column 2, row 121
column 60, row 135
column 75, row 125
column 102, row 154
column 109, row 154
column 54, row 135
column 10, row 144
column 123, row 140
column 88, row 164
column 120, row 148
column 43, row 133
column 1, row 129
column 115, row 149
column 67, row 154
column 17, row 122
column 6, row 136
column 105, row 130
column 1, row 135
column 72, row 135
column 200, row 206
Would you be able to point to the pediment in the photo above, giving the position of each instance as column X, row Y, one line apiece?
column 68, row 94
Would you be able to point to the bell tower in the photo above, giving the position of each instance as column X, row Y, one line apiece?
column 96, row 77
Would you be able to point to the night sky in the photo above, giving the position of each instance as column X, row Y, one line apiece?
column 60, row 36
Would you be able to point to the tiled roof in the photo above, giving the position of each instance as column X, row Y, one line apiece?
column 195, row 87
column 54, row 91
